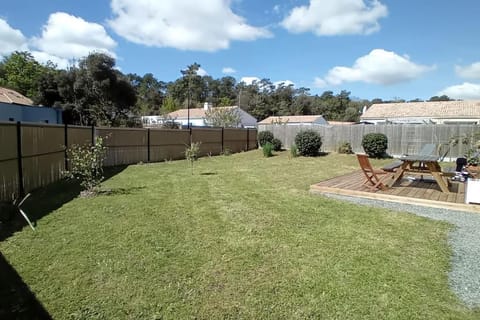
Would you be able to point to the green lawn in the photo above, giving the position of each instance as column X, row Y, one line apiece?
column 241, row 238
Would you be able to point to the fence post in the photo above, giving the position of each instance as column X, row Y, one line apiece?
column 21, row 187
column 223, row 138
column 148, row 145
column 248, row 139
column 93, row 135
column 66, row 146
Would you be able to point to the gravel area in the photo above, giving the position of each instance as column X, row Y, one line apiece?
column 464, row 239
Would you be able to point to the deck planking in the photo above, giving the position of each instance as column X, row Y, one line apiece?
column 416, row 191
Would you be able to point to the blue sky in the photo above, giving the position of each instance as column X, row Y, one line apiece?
column 373, row 48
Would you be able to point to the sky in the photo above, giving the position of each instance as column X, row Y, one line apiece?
column 387, row 49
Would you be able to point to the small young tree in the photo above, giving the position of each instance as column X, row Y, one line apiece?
column 192, row 152
column 86, row 165
column 225, row 117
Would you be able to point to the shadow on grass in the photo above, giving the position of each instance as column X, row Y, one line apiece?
column 45, row 200
column 16, row 299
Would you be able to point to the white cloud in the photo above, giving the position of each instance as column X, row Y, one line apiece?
column 469, row 72
column 11, row 39
column 44, row 57
column 66, row 37
column 378, row 67
column 250, row 80
column 465, row 91
column 202, row 72
column 228, row 70
column 207, row 25
column 327, row 17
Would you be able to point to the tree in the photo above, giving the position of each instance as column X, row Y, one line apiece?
column 440, row 98
column 97, row 94
column 223, row 117
column 150, row 93
column 21, row 72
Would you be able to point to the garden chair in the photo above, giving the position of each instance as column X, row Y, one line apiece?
column 372, row 180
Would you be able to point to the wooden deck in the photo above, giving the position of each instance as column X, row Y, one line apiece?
column 424, row 192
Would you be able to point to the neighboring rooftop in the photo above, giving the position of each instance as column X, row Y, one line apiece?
column 194, row 112
column 431, row 109
column 294, row 119
column 13, row 97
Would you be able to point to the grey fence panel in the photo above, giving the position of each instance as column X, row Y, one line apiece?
column 402, row 139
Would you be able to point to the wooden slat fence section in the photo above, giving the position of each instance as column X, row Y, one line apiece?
column 124, row 145
column 235, row 139
column 43, row 155
column 210, row 139
column 168, row 144
column 42, row 147
column 8, row 161
column 402, row 139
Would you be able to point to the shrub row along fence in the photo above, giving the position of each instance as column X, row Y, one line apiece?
column 402, row 139
column 34, row 155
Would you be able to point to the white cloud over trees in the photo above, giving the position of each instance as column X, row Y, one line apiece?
column 207, row 25
column 378, row 67
column 339, row 17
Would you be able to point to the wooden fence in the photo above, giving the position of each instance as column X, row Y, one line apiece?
column 402, row 139
column 34, row 155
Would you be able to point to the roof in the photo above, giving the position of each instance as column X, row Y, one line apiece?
column 430, row 109
column 12, row 96
column 290, row 119
column 341, row 123
column 194, row 112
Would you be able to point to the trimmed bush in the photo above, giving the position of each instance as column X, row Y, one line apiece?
column 277, row 144
column 345, row 147
column 264, row 137
column 308, row 143
column 267, row 149
column 375, row 144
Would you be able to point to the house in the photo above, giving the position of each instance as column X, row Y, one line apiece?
column 16, row 107
column 431, row 112
column 196, row 117
column 295, row 120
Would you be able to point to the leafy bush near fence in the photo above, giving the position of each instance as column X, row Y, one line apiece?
column 308, row 143
column 264, row 137
column 267, row 149
column 277, row 144
column 375, row 144
column 85, row 164
column 346, row 148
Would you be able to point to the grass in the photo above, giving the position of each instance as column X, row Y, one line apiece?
column 241, row 238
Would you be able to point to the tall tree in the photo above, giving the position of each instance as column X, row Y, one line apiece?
column 21, row 72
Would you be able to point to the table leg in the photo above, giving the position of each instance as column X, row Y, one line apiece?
column 397, row 175
column 437, row 175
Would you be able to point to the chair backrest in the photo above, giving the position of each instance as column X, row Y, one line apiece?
column 364, row 163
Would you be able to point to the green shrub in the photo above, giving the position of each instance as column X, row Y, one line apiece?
column 277, row 144
column 267, row 149
column 375, row 144
column 85, row 164
column 293, row 151
column 264, row 137
column 308, row 143
column 346, row 148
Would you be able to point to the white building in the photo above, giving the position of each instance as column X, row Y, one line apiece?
column 196, row 116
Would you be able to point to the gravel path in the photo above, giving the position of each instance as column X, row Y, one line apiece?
column 464, row 240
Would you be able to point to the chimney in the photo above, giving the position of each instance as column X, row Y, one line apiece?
column 206, row 106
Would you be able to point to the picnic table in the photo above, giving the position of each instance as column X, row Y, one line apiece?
column 424, row 164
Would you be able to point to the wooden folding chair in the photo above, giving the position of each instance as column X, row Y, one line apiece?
column 372, row 180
